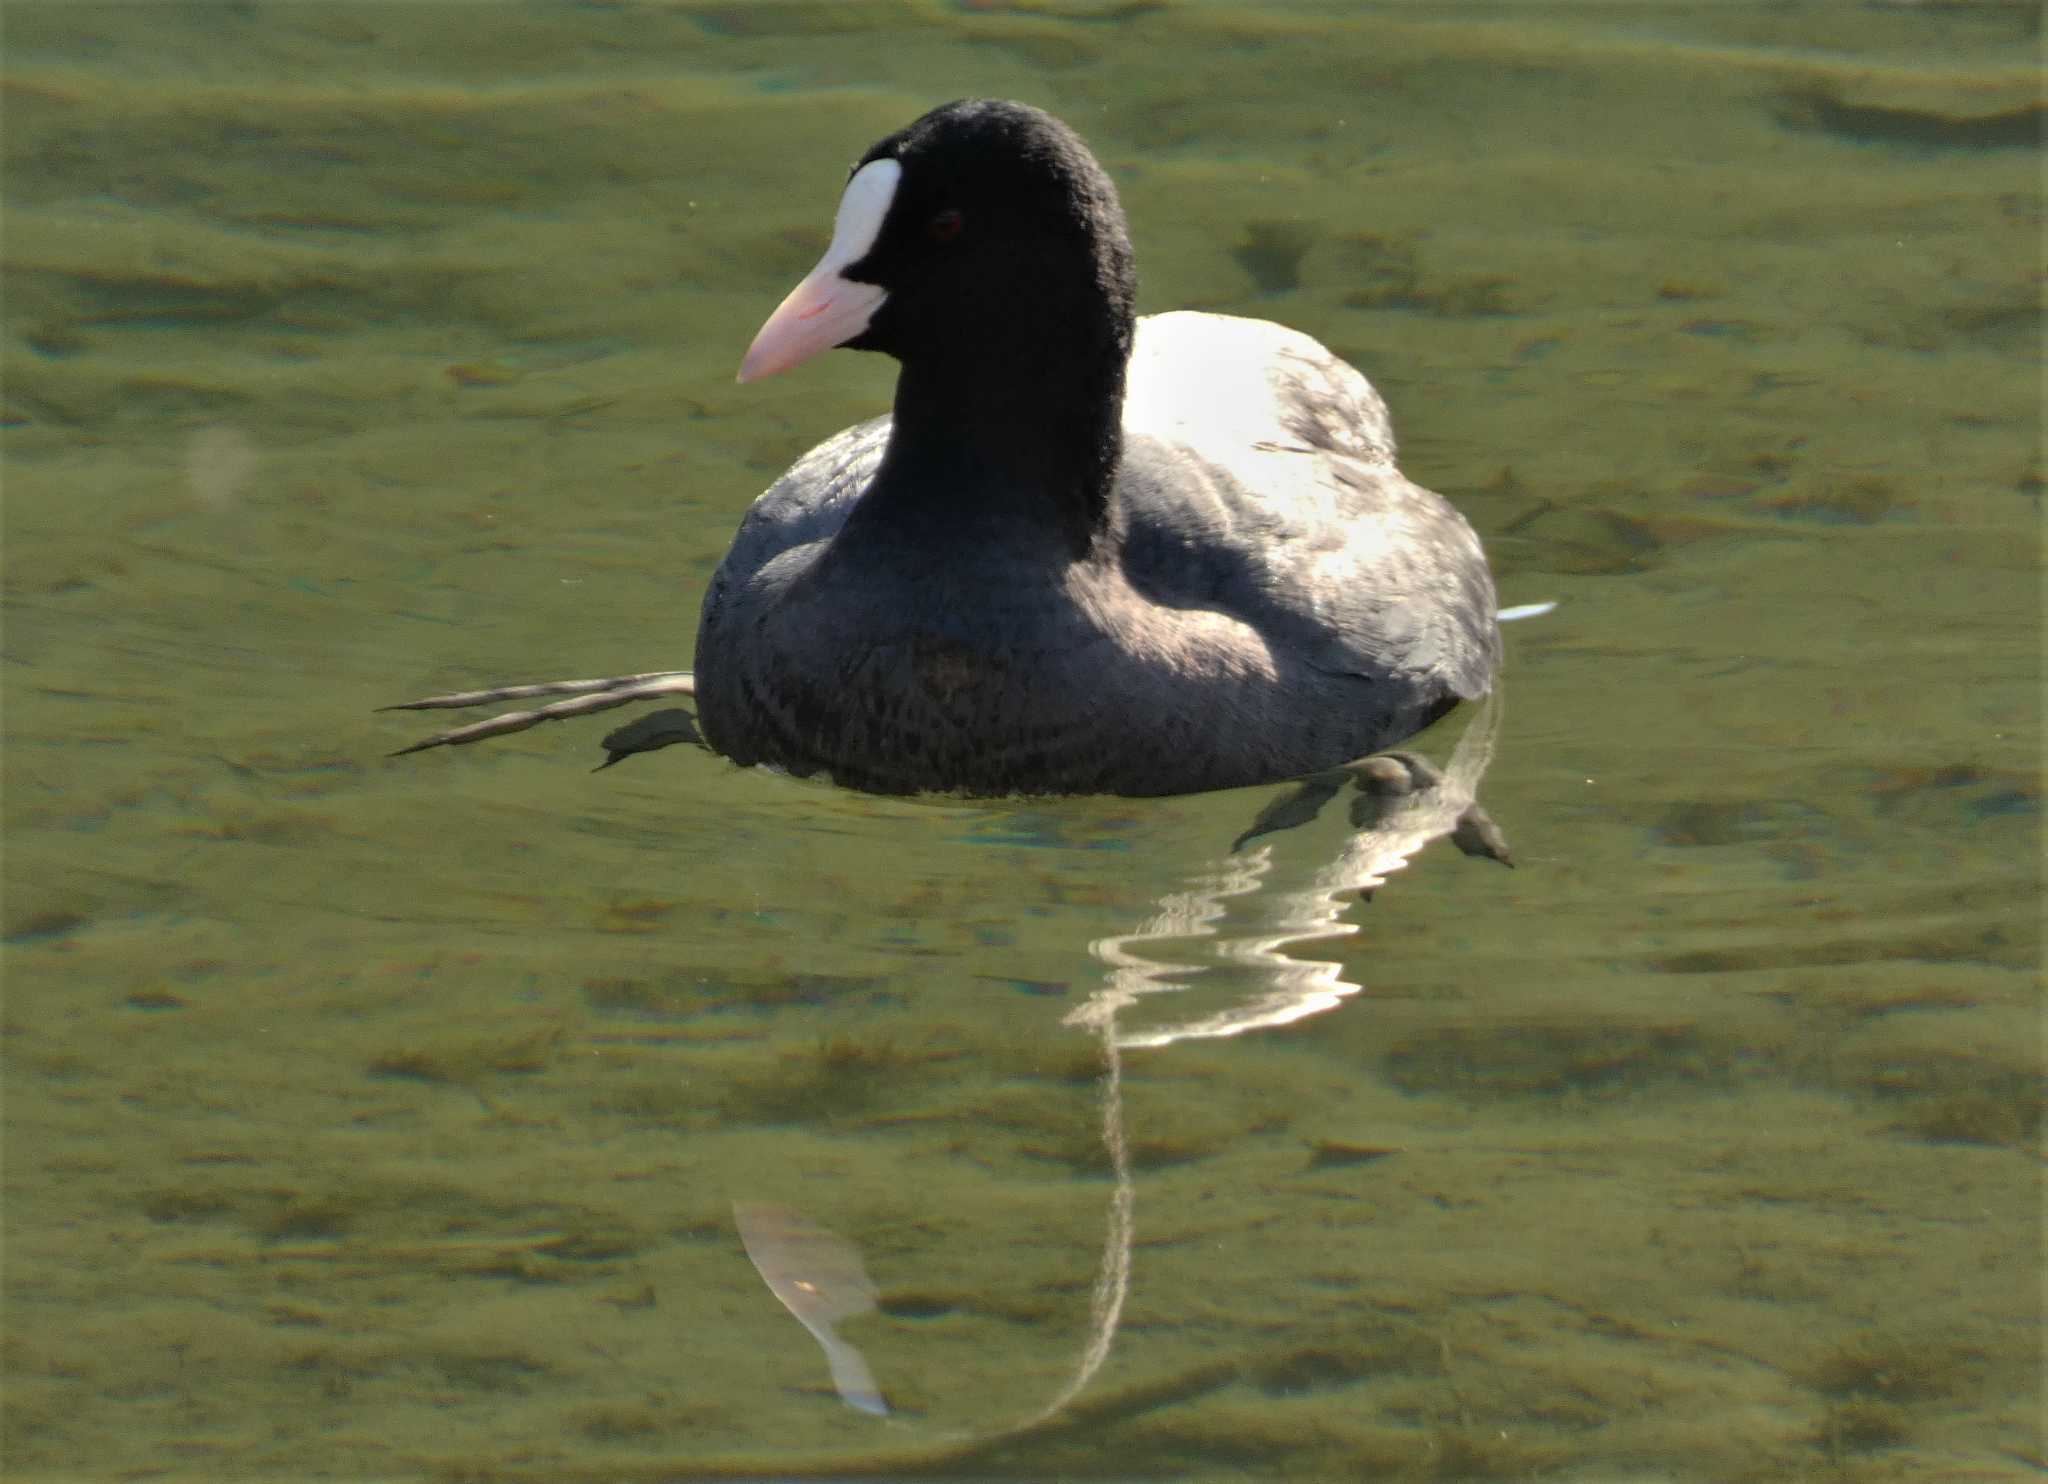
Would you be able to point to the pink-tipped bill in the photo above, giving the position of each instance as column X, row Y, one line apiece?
column 823, row 311
column 828, row 308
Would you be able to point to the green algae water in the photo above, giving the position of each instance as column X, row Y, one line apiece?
column 385, row 1119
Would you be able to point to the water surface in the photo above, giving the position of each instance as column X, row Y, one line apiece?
column 379, row 1119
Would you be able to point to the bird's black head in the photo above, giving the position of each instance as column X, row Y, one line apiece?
column 1002, row 226
column 985, row 229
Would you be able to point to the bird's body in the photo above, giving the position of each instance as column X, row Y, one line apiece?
column 1084, row 553
column 1211, row 635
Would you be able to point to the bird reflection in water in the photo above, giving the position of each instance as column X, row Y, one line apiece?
column 1402, row 804
column 820, row 1279
column 1392, row 819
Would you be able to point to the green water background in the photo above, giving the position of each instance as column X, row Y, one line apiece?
column 373, row 1118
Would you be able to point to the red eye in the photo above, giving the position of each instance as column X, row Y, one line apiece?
column 945, row 226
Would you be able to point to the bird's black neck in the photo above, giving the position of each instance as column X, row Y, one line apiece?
column 1014, row 443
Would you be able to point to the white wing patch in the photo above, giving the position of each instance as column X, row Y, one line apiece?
column 1268, row 407
column 1221, row 384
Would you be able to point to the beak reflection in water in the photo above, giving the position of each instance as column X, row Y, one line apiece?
column 820, row 1279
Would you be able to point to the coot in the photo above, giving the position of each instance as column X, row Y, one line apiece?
column 1086, row 552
